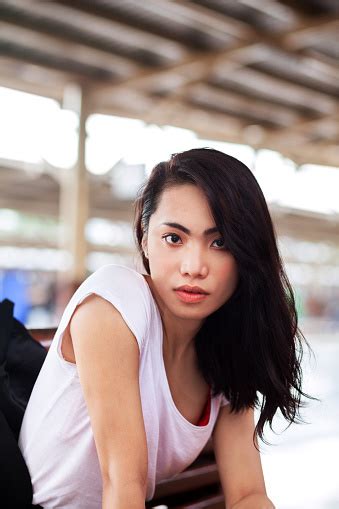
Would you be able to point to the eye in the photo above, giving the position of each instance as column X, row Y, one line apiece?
column 173, row 235
column 221, row 240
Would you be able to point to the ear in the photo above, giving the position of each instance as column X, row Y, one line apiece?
column 144, row 245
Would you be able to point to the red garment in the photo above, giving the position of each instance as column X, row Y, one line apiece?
column 205, row 416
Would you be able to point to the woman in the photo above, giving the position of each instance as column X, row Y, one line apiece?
column 145, row 368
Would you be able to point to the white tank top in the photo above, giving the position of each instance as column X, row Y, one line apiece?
column 56, row 437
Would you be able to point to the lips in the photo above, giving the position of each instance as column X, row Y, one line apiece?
column 192, row 289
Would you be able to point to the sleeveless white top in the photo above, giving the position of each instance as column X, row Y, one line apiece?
column 56, row 437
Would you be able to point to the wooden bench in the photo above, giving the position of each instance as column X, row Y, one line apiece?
column 197, row 487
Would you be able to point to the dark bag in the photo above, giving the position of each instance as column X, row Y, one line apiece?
column 21, row 358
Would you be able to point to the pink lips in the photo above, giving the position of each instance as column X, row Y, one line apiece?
column 191, row 289
column 191, row 294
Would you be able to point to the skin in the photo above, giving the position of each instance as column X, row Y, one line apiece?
column 177, row 258
column 181, row 259
column 196, row 259
column 192, row 259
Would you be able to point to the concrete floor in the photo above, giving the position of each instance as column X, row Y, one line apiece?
column 300, row 470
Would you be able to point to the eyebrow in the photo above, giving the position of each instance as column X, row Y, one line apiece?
column 178, row 226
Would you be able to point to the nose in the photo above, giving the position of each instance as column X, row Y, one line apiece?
column 194, row 263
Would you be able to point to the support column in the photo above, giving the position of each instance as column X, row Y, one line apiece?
column 74, row 197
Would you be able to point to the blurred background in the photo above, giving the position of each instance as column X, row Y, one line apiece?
column 93, row 93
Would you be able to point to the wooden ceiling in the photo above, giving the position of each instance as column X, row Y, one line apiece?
column 261, row 72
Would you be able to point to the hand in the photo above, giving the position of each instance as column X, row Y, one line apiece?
column 256, row 501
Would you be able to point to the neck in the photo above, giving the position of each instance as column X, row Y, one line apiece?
column 177, row 347
column 179, row 333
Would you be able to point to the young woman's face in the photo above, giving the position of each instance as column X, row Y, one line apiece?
column 189, row 257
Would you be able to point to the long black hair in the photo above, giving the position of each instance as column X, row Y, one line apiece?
column 252, row 343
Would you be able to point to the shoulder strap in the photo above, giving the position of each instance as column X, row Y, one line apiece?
column 6, row 326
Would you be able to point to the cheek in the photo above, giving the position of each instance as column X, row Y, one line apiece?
column 163, row 256
column 229, row 274
column 162, row 265
column 162, row 261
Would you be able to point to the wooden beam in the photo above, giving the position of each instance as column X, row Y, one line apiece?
column 192, row 68
column 293, row 120
column 54, row 45
column 24, row 55
column 284, row 90
column 309, row 126
column 31, row 78
column 29, row 207
column 107, row 30
column 271, row 8
column 237, row 52
column 18, row 241
column 196, row 67
column 224, row 127
column 173, row 111
column 177, row 13
column 241, row 105
column 168, row 103
column 205, row 16
column 305, row 36
column 156, row 109
column 195, row 119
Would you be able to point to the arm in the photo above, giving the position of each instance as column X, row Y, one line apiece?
column 238, row 461
column 107, row 357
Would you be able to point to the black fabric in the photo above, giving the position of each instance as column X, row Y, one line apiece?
column 24, row 356
column 15, row 482
column 21, row 358
column 12, row 409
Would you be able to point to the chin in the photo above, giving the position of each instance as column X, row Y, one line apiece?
column 191, row 311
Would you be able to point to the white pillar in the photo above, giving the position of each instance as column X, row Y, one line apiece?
column 74, row 196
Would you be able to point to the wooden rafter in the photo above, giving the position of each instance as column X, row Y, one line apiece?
column 130, row 65
column 241, row 53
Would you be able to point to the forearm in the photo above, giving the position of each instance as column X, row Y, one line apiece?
column 255, row 501
column 123, row 496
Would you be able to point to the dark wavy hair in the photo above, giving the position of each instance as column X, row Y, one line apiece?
column 252, row 343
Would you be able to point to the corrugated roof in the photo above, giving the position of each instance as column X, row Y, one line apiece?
column 214, row 66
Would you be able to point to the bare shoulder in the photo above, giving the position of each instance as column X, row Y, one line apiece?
column 93, row 303
column 95, row 317
column 92, row 308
